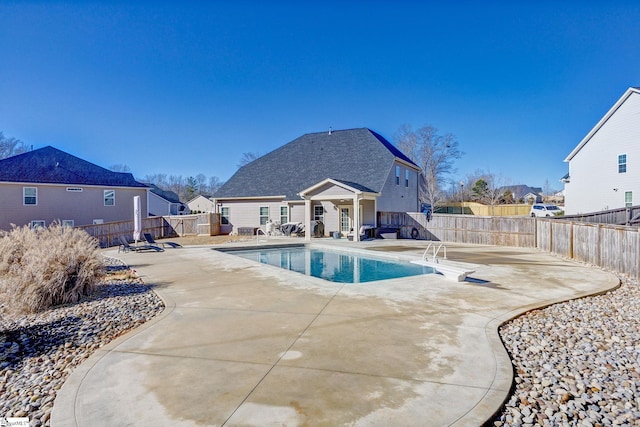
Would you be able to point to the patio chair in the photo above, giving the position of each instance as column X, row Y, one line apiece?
column 126, row 247
column 149, row 238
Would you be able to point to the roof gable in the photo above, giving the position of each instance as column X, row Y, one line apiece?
column 358, row 157
column 603, row 120
column 49, row 165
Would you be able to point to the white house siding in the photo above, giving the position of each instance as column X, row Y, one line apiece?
column 201, row 204
column 54, row 202
column 399, row 198
column 246, row 213
column 595, row 183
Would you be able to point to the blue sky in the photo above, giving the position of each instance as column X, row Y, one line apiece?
column 186, row 87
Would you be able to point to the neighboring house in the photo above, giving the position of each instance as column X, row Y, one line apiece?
column 201, row 203
column 524, row 193
column 163, row 202
column 604, row 168
column 342, row 178
column 44, row 185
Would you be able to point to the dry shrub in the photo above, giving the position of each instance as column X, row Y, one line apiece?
column 47, row 266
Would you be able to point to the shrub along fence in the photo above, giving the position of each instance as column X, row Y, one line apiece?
column 614, row 247
column 108, row 234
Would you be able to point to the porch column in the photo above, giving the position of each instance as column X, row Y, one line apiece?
column 356, row 219
column 307, row 220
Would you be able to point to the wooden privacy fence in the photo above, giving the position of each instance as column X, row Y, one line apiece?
column 482, row 230
column 108, row 234
column 621, row 216
column 614, row 247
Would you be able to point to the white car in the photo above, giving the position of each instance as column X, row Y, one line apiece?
column 540, row 209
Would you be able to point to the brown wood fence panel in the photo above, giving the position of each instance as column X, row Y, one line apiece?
column 108, row 234
column 482, row 230
column 621, row 216
column 614, row 247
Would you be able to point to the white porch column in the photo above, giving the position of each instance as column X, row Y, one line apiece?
column 356, row 219
column 307, row 220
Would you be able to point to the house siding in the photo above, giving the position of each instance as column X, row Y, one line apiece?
column 244, row 213
column 201, row 204
column 399, row 198
column 593, row 170
column 54, row 202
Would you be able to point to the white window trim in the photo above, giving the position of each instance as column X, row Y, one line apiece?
column 406, row 178
column 223, row 216
column 112, row 197
column 625, row 162
column 286, row 209
column 98, row 221
column 67, row 223
column 397, row 175
column 38, row 223
column 261, row 217
column 24, row 196
column 630, row 202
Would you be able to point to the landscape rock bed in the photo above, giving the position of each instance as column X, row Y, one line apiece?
column 39, row 351
column 577, row 363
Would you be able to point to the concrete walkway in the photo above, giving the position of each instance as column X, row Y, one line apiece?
column 242, row 344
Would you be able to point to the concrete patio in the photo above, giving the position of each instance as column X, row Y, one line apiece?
column 244, row 344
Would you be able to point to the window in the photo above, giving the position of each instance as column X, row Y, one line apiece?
column 264, row 214
column 98, row 221
column 67, row 223
column 39, row 223
column 318, row 213
column 224, row 216
column 109, row 197
column 622, row 163
column 628, row 199
column 397, row 175
column 284, row 214
column 406, row 178
column 30, row 195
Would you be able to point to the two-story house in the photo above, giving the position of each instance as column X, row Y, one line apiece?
column 47, row 184
column 604, row 168
column 341, row 178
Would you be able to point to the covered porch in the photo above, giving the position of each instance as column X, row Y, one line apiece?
column 343, row 207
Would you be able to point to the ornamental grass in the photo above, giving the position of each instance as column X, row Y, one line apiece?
column 44, row 267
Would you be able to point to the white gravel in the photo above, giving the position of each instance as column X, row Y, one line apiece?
column 577, row 363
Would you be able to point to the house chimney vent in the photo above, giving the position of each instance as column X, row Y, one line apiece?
column 330, row 130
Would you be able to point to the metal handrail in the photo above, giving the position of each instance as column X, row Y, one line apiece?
column 436, row 251
column 258, row 230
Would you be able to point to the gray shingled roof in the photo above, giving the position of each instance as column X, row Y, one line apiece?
column 168, row 195
column 49, row 165
column 358, row 157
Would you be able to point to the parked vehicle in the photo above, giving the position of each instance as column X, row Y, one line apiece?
column 540, row 209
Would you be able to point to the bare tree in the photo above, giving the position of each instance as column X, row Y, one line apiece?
column 434, row 153
column 248, row 157
column 11, row 146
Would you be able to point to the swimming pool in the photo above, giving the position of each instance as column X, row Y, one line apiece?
column 332, row 265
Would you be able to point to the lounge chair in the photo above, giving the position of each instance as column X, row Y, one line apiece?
column 126, row 247
column 149, row 238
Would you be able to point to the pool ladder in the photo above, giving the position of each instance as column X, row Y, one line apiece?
column 258, row 231
column 436, row 251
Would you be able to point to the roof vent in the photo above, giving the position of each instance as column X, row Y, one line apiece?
column 330, row 130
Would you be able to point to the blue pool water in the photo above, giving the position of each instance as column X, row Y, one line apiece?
column 335, row 266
